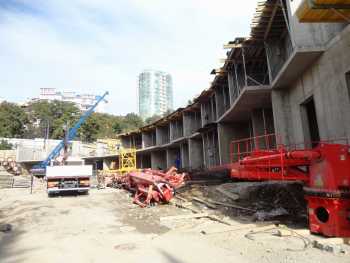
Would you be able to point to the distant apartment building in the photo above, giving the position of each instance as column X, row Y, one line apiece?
column 82, row 101
column 155, row 93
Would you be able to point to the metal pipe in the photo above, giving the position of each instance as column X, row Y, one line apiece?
column 303, row 155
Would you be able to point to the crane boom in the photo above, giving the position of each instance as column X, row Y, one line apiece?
column 71, row 135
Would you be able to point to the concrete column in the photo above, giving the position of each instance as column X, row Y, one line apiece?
column 195, row 148
column 282, row 124
column 184, row 156
column 220, row 105
column 171, row 131
column 211, row 148
column 187, row 123
column 231, row 85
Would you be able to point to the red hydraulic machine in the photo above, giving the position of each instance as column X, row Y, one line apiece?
column 323, row 167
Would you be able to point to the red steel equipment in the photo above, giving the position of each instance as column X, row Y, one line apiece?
column 152, row 186
column 324, row 169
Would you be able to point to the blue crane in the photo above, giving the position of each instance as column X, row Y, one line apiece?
column 41, row 168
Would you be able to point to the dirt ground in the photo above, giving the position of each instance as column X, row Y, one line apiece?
column 105, row 226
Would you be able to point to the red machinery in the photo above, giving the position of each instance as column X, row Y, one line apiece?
column 152, row 185
column 324, row 169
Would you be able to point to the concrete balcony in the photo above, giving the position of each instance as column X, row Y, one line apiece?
column 250, row 97
column 297, row 63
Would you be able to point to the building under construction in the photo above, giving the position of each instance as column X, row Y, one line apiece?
column 289, row 77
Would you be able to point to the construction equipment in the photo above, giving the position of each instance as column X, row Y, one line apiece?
column 152, row 186
column 127, row 160
column 40, row 169
column 324, row 169
column 127, row 164
column 67, row 175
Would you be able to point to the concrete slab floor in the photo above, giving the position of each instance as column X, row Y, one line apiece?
column 105, row 226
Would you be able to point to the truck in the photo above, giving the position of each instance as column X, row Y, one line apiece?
column 61, row 174
column 68, row 178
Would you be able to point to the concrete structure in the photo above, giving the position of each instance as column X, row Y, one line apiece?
column 287, row 78
column 154, row 93
column 82, row 101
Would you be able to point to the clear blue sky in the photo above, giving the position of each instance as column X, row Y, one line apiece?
column 97, row 45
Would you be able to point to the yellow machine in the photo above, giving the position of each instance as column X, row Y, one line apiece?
column 127, row 160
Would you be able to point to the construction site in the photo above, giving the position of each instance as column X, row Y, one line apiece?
column 255, row 169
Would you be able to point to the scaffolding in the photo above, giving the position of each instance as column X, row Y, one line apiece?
column 127, row 160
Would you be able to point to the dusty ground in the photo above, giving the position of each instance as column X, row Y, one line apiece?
column 105, row 226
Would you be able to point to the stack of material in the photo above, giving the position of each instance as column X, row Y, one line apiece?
column 10, row 165
column 6, row 179
column 152, row 186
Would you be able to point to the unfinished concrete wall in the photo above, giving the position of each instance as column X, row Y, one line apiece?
column 162, row 135
column 227, row 132
column 211, row 148
column 195, row 149
column 148, row 138
column 281, row 113
column 191, row 122
column 159, row 160
column 325, row 81
column 310, row 34
column 176, row 129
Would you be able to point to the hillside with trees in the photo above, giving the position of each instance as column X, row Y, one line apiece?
column 48, row 119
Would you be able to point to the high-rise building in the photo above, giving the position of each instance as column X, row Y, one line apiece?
column 155, row 93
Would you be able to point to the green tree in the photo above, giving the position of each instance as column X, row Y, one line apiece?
column 90, row 130
column 131, row 122
column 117, row 127
column 13, row 120
column 55, row 115
column 152, row 119
column 5, row 145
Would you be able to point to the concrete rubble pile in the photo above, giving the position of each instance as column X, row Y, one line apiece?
column 152, row 186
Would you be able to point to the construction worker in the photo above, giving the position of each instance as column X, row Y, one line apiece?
column 178, row 162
